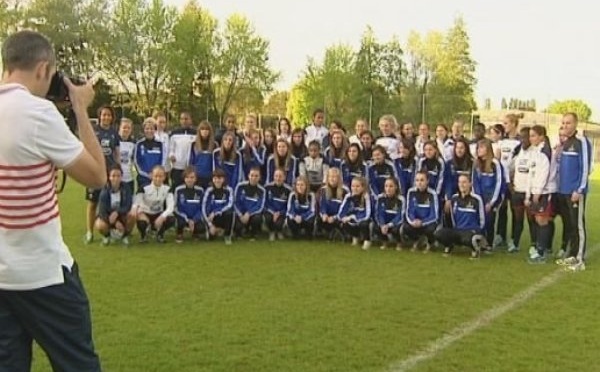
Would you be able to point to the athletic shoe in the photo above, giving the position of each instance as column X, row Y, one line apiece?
column 179, row 239
column 366, row 245
column 567, row 261
column 160, row 239
column 446, row 252
column 272, row 237
column 399, row 247
column 280, row 236
column 512, row 248
column 105, row 240
column 125, row 241
column 427, row 248
column 383, row 247
column 143, row 239
column 475, row 255
column 532, row 250
column 537, row 258
column 227, row 240
column 479, row 243
column 575, row 268
column 89, row 237
column 354, row 241
column 498, row 241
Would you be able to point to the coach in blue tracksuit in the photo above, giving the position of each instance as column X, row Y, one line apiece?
column 574, row 171
column 468, row 220
column 249, row 203
column 188, row 205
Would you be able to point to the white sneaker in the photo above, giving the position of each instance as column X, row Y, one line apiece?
column 512, row 248
column 569, row 261
column 383, row 247
column 272, row 237
column 280, row 236
column 575, row 268
column 354, row 241
column 228, row 240
column 105, row 240
column 89, row 237
column 399, row 247
column 427, row 248
column 533, row 252
column 498, row 241
column 366, row 245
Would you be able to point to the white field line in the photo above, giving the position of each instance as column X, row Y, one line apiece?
column 483, row 320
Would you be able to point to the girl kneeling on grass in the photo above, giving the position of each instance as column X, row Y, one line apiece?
column 301, row 210
column 468, row 220
column 188, row 205
column 330, row 199
column 154, row 207
column 278, row 194
column 249, row 203
column 355, row 213
column 113, row 209
column 422, row 213
column 217, row 207
column 389, row 214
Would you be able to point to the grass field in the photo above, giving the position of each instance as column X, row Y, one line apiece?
column 315, row 306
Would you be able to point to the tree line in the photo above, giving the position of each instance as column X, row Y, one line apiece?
column 153, row 56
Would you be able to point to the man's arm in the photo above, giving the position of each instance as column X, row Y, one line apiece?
column 88, row 168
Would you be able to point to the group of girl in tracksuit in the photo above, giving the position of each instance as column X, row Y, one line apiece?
column 383, row 189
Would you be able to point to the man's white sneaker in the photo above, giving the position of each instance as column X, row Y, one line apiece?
column 569, row 261
column 575, row 268
column 272, row 237
column 354, row 241
column 366, row 245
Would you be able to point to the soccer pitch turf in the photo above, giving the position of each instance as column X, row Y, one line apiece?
column 318, row 306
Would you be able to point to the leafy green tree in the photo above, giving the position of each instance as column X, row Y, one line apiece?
column 189, row 66
column 277, row 103
column 504, row 105
column 582, row 109
column 240, row 63
column 135, row 55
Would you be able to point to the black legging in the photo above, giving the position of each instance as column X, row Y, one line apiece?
column 360, row 230
column 253, row 226
column 274, row 225
column 297, row 228
column 414, row 233
column 448, row 237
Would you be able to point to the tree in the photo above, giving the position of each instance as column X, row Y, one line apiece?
column 277, row 103
column 240, row 62
column 189, row 66
column 72, row 27
column 441, row 75
column 135, row 55
column 582, row 109
column 488, row 104
column 504, row 105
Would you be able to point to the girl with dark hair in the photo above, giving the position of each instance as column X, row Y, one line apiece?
column 298, row 145
column 433, row 163
column 406, row 165
column 283, row 159
column 202, row 153
column 353, row 165
column 217, row 207
column 228, row 158
column 284, row 129
column 389, row 214
column 379, row 170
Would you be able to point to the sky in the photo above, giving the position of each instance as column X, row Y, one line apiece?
column 545, row 50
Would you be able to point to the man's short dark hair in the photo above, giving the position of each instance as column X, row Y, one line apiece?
column 573, row 115
column 23, row 50
column 318, row 111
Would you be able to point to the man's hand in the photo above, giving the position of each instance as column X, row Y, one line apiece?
column 575, row 197
column 81, row 96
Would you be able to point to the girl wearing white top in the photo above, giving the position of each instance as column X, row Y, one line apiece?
column 154, row 207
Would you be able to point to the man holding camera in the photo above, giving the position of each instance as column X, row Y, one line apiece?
column 41, row 295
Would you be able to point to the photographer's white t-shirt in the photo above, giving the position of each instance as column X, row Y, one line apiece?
column 35, row 141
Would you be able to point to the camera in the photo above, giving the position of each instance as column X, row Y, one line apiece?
column 59, row 92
